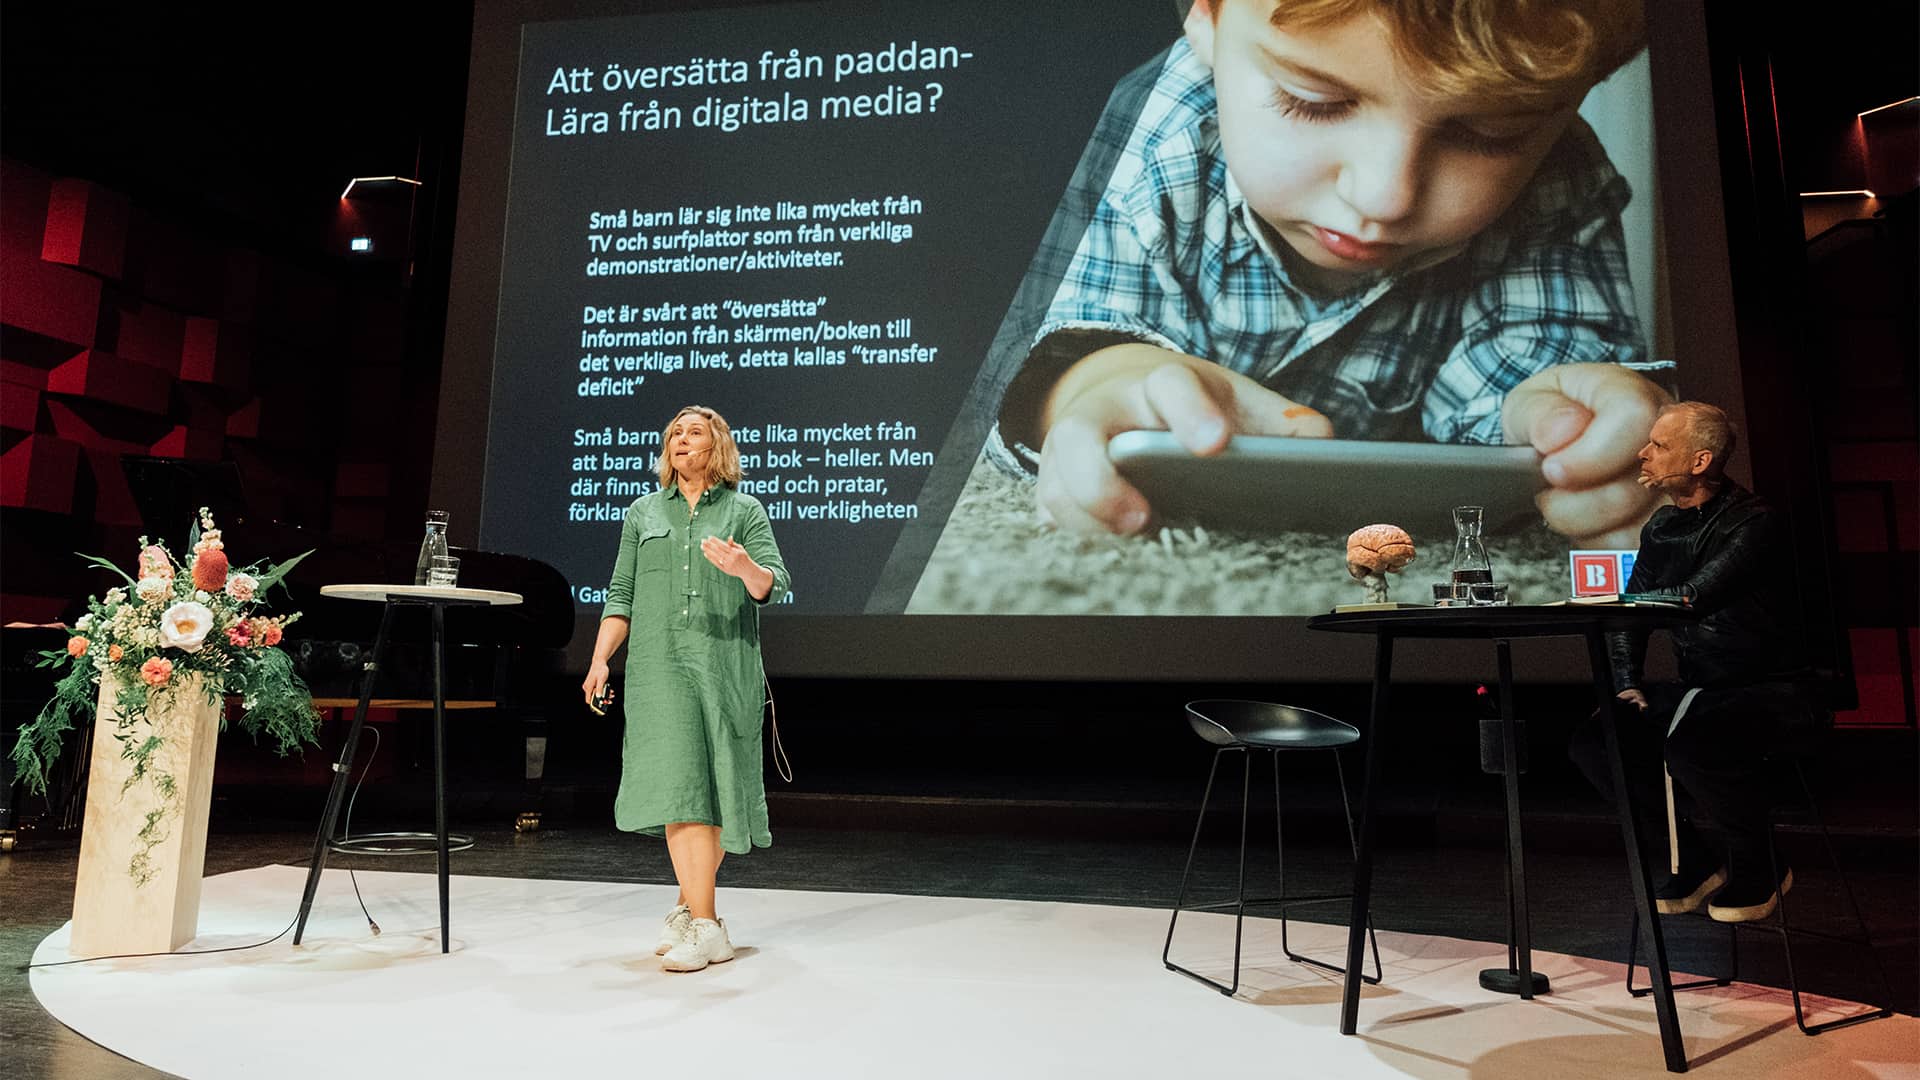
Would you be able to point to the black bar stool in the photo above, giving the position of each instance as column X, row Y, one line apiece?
column 1777, row 924
column 1244, row 727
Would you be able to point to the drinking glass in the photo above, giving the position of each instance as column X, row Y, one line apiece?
column 444, row 572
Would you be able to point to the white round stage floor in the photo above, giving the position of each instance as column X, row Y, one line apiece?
column 558, row 978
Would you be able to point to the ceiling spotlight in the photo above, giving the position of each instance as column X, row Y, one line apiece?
column 377, row 180
column 1891, row 105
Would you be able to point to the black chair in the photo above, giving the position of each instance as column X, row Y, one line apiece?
column 1777, row 923
column 1243, row 727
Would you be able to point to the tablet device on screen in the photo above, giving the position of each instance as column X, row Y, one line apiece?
column 1270, row 483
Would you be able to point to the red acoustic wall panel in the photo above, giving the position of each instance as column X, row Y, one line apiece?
column 19, row 407
column 244, row 422
column 98, row 427
column 103, row 376
column 112, row 499
column 49, row 300
column 133, row 327
column 23, row 213
column 146, row 333
column 86, row 227
column 38, row 472
column 202, row 408
column 184, row 442
column 215, row 352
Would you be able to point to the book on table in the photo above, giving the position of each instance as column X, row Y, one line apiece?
column 1627, row 599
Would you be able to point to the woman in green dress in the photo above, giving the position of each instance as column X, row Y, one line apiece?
column 697, row 560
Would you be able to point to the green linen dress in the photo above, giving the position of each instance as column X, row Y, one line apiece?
column 695, row 692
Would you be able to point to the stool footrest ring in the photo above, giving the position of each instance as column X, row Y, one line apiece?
column 390, row 843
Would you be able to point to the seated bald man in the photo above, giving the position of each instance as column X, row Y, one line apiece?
column 1744, row 687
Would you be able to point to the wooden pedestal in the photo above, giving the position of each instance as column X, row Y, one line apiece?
column 112, row 911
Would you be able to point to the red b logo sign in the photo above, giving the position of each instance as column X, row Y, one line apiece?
column 1595, row 573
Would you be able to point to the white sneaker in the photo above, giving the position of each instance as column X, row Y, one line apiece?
column 679, row 929
column 707, row 944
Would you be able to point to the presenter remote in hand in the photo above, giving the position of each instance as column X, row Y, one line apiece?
column 697, row 561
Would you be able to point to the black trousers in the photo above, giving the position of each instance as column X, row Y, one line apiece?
column 1718, row 758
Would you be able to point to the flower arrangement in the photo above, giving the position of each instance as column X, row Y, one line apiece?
column 142, row 642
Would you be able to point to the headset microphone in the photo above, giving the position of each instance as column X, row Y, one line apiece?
column 1649, row 481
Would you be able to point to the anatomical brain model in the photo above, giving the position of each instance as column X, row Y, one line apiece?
column 1373, row 552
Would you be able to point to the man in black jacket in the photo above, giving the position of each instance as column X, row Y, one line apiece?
column 1742, row 693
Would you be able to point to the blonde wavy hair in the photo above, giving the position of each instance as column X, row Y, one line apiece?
column 723, row 465
column 1519, row 51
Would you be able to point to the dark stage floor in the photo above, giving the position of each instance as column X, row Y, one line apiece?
column 1578, row 897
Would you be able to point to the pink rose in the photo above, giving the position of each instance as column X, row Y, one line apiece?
column 241, row 587
column 154, row 562
column 237, row 635
column 156, row 671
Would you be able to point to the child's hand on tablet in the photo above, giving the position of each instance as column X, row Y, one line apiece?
column 1137, row 386
column 1588, row 421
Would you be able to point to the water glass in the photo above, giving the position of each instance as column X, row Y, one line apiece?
column 444, row 571
column 1488, row 593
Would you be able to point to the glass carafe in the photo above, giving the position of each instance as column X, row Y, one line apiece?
column 434, row 543
column 1470, row 563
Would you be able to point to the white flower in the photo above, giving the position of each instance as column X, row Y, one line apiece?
column 185, row 625
column 152, row 590
column 116, row 595
column 84, row 623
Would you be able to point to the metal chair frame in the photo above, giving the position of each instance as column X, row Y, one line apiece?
column 1778, row 924
column 1241, row 901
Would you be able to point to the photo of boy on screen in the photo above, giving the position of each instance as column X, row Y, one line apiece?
column 1358, row 219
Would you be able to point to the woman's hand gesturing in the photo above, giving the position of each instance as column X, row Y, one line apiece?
column 728, row 556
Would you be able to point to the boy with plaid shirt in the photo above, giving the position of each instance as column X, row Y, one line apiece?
column 1364, row 218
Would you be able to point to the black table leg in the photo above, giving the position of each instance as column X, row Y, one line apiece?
column 1363, row 857
column 329, row 818
column 1516, row 850
column 440, row 757
column 1519, row 977
column 1662, row 978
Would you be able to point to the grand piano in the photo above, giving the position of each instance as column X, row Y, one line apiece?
column 490, row 651
column 509, row 658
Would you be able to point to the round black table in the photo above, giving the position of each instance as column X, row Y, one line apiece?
column 1500, row 625
column 438, row 598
